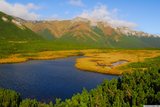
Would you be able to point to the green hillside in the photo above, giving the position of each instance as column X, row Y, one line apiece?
column 9, row 31
column 125, row 42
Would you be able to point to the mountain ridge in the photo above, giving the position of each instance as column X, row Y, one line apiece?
column 79, row 31
column 122, row 29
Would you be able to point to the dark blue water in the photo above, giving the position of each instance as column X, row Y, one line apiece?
column 49, row 79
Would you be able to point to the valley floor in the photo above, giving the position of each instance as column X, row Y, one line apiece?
column 22, row 57
column 114, row 61
column 101, row 61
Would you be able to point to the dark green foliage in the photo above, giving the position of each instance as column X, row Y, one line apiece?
column 29, row 103
column 9, row 98
column 148, row 63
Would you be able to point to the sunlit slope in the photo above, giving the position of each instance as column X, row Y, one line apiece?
column 12, row 30
column 75, row 34
column 100, row 35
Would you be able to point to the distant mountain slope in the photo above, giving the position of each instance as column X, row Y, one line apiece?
column 101, row 34
column 78, row 32
column 13, row 30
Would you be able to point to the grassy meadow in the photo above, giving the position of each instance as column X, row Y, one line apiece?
column 95, row 59
column 8, row 48
column 102, row 60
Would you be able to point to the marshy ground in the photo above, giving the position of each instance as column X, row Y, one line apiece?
column 102, row 61
column 111, row 62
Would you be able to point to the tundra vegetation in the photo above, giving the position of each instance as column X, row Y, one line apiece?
column 103, row 61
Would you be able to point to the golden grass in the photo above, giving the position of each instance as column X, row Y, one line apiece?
column 42, row 56
column 13, row 59
column 94, row 60
column 101, row 61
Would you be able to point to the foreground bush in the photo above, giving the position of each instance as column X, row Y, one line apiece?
column 9, row 98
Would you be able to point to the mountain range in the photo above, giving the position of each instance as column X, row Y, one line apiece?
column 77, row 31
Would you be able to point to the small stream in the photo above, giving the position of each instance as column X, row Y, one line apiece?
column 118, row 63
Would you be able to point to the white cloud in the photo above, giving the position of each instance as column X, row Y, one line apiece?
column 32, row 6
column 101, row 13
column 78, row 3
column 19, row 10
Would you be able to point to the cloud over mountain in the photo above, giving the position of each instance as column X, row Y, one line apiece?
column 19, row 10
column 101, row 13
column 98, row 13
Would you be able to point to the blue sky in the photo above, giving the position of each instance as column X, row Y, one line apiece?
column 144, row 13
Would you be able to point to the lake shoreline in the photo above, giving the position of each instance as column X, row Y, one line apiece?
column 98, row 61
column 31, row 78
column 46, row 55
column 102, row 62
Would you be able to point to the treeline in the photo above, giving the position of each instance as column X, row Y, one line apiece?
column 135, row 89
